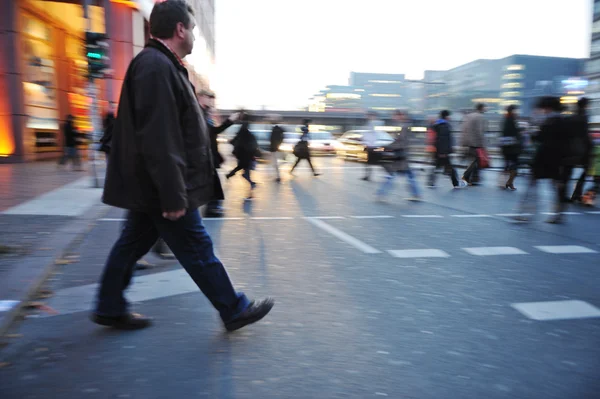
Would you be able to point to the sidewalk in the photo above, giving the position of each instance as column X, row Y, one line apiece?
column 43, row 208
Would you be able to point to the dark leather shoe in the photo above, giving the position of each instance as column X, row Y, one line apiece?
column 129, row 321
column 253, row 313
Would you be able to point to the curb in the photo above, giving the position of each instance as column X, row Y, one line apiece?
column 35, row 269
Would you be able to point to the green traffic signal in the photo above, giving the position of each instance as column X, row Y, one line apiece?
column 97, row 56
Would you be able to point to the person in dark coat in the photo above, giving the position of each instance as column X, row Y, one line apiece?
column 553, row 142
column 206, row 99
column 511, row 146
column 70, row 151
column 107, row 126
column 302, row 150
column 443, row 150
column 276, row 139
column 583, row 143
column 245, row 149
column 161, row 170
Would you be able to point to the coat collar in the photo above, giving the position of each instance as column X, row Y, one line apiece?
column 166, row 50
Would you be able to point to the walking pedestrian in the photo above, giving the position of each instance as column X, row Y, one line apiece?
column 161, row 171
column 473, row 139
column 443, row 145
column 206, row 98
column 511, row 146
column 369, row 140
column 547, row 164
column 276, row 139
column 302, row 149
column 70, row 151
column 583, row 145
column 397, row 161
column 245, row 149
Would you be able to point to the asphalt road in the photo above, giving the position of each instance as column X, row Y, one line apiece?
column 396, row 299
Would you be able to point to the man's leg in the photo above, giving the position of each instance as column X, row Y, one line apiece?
column 412, row 183
column 578, row 192
column 295, row 164
column 162, row 250
column 311, row 166
column 137, row 237
column 275, row 160
column 193, row 247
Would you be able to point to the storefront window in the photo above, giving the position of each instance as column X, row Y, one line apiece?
column 39, row 82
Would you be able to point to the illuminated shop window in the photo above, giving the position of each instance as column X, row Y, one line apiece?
column 513, row 76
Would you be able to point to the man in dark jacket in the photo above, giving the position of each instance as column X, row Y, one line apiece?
column 443, row 150
column 275, row 142
column 161, row 170
column 583, row 145
column 70, row 152
column 206, row 99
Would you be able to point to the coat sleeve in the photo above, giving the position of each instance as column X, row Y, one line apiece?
column 159, row 134
column 221, row 128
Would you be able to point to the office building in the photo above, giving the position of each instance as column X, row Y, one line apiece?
column 592, row 67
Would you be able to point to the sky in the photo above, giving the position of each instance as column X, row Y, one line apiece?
column 279, row 53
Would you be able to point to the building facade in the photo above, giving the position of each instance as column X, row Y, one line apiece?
column 43, row 66
column 592, row 66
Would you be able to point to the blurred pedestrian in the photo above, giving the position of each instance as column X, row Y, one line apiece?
column 396, row 159
column 443, row 145
column 547, row 164
column 161, row 170
column 276, row 140
column 369, row 141
column 302, row 149
column 70, row 151
column 582, row 144
column 473, row 140
column 511, row 144
column 206, row 98
column 245, row 149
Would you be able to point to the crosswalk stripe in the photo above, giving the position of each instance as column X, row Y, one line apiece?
column 565, row 249
column 470, row 216
column 356, row 243
column 491, row 251
column 418, row 253
column 422, row 216
column 557, row 310
column 373, row 217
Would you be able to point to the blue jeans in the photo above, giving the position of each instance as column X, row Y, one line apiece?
column 193, row 248
column 389, row 181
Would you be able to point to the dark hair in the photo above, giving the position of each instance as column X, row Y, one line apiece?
column 511, row 108
column 166, row 15
column 480, row 107
column 582, row 104
column 306, row 121
column 551, row 103
column 399, row 112
column 444, row 114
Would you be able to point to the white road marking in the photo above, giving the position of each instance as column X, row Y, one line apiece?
column 112, row 220
column 343, row 236
column 471, row 216
column 422, row 216
column 418, row 253
column 6, row 305
column 593, row 212
column 73, row 199
column 222, row 218
column 151, row 286
column 571, row 213
column 271, row 218
column 557, row 310
column 326, row 217
column 491, row 251
column 513, row 215
column 565, row 249
column 373, row 217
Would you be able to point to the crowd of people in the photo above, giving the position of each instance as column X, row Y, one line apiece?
column 163, row 158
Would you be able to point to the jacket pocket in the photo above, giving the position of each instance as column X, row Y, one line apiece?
column 200, row 168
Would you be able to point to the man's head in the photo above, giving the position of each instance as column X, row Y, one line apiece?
column 173, row 22
column 445, row 114
column 206, row 98
column 480, row 107
column 582, row 105
column 511, row 110
column 549, row 104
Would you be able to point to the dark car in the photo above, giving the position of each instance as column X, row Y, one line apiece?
column 350, row 145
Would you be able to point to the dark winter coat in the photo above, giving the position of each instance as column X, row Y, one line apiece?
column 581, row 143
column 245, row 147
column 70, row 134
column 276, row 138
column 553, row 145
column 160, row 155
column 512, row 136
column 443, row 137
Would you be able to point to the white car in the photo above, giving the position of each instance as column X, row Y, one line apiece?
column 320, row 143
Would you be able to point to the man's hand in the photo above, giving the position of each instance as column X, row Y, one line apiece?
column 234, row 117
column 173, row 216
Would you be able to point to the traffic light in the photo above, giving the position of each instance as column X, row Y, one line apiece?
column 96, row 48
